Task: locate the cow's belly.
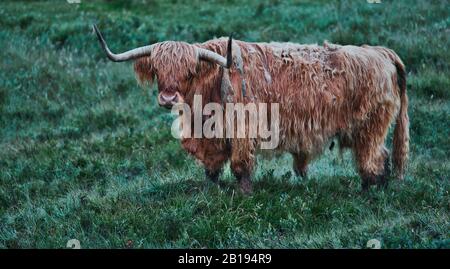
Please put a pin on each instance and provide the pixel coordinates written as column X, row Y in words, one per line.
column 304, row 135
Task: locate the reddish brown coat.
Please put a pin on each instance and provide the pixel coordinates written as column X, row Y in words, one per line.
column 331, row 91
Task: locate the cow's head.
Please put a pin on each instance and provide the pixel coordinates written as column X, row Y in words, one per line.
column 173, row 64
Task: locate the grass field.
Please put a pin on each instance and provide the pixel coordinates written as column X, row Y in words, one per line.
column 86, row 153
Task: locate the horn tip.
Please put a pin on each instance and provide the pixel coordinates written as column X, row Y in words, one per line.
column 95, row 28
column 229, row 51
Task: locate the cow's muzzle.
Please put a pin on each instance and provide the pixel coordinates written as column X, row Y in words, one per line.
column 168, row 100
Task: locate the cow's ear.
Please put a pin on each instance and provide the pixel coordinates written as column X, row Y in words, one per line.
column 144, row 70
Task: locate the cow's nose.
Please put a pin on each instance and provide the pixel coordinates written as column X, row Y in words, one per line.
column 168, row 100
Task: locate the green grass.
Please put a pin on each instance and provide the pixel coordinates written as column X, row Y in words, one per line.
column 87, row 154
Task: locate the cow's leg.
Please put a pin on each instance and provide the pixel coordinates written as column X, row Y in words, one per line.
column 243, row 175
column 242, row 165
column 371, row 155
column 211, row 153
column 214, row 165
column 384, row 179
column 300, row 164
column 212, row 175
column 372, row 166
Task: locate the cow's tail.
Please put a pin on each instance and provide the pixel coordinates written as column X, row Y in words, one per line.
column 401, row 130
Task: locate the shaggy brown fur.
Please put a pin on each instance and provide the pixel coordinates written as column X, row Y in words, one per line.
column 345, row 92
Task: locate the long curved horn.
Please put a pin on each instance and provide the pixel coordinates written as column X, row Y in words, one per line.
column 203, row 54
column 125, row 56
column 210, row 56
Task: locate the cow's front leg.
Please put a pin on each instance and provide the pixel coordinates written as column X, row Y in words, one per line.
column 212, row 153
column 214, row 165
column 214, row 162
column 242, row 162
column 300, row 164
column 212, row 175
column 242, row 172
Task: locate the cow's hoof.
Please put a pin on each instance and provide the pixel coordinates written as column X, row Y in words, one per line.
column 212, row 176
column 301, row 173
column 364, row 189
column 382, row 182
column 245, row 187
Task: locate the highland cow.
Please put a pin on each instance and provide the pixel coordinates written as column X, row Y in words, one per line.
column 348, row 93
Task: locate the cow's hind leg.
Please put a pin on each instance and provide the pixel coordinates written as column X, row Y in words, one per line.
column 300, row 164
column 384, row 178
column 373, row 166
column 371, row 155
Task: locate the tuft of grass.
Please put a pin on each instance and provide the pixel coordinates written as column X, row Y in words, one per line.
column 430, row 84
